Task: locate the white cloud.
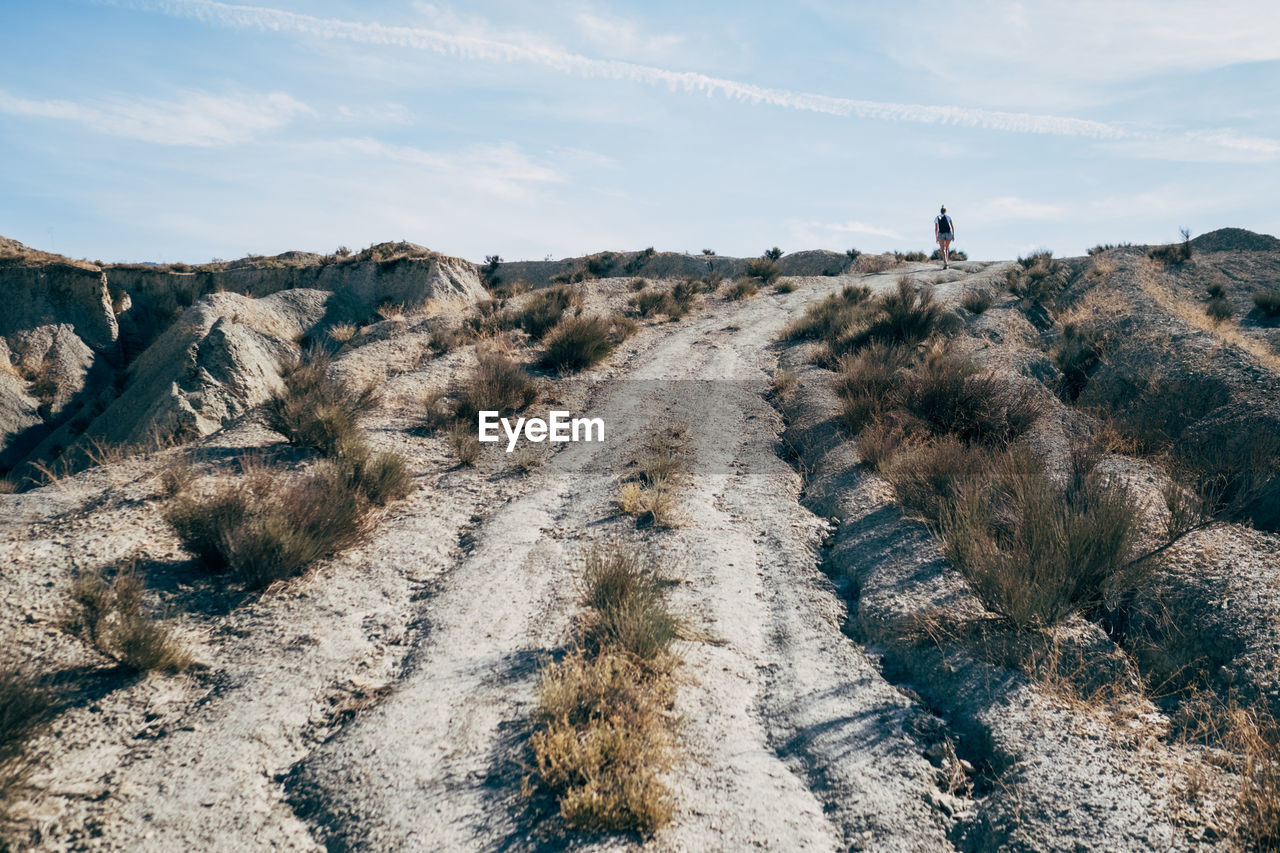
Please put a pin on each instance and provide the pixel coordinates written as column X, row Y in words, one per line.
column 1069, row 54
column 501, row 170
column 1223, row 145
column 833, row 234
column 485, row 49
column 623, row 37
column 1007, row 208
column 1095, row 40
column 194, row 118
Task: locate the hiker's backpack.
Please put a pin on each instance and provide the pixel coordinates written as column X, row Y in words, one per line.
column 944, row 224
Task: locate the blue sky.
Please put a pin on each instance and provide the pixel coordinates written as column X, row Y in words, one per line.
column 189, row 129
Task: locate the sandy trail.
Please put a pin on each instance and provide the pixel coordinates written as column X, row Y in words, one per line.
column 792, row 738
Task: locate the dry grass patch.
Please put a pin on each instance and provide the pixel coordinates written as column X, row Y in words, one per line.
column 109, row 616
column 978, row 300
column 605, row 731
column 465, row 443
column 1036, row 551
column 649, row 493
column 315, row 411
column 582, row 341
column 743, row 288
column 270, row 526
column 498, row 383
column 24, row 705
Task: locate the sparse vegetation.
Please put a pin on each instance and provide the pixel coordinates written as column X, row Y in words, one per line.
column 648, row 494
column 271, row 527
column 1268, row 302
column 582, row 341
column 785, row 285
column 109, row 616
column 604, row 734
column 497, row 383
column 674, row 303
column 1076, row 353
column 24, row 705
column 743, row 288
column 952, row 254
column 465, row 443
column 763, row 270
column 978, row 300
column 316, row 411
column 773, row 254
column 1218, row 310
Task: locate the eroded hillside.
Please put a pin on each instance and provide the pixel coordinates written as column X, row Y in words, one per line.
column 872, row 556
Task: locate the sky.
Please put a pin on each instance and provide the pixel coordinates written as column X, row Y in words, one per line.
column 167, row 130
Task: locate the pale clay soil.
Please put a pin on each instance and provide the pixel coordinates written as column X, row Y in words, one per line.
column 382, row 701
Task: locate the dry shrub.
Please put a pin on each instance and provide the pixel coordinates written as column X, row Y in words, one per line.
column 109, row 616
column 604, row 733
column 343, row 332
column 1218, row 310
column 866, row 382
column 265, row 534
column 786, row 285
column 602, row 742
column 907, row 316
column 825, row 320
column 765, row 270
column 1152, row 408
column 867, row 264
column 1076, row 353
column 1036, row 551
column 656, row 505
column 24, row 705
column 880, row 440
column 948, row 395
column 544, row 309
column 498, row 384
column 628, row 609
column 582, row 341
column 1268, row 302
column 465, row 443
column 784, row 381
column 743, row 288
column 443, row 340
column 978, row 300
column 380, row 477
column 316, row 411
column 927, row 477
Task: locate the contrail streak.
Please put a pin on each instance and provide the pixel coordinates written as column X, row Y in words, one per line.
column 494, row 51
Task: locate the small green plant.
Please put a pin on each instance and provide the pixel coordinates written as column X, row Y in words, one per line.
column 773, row 254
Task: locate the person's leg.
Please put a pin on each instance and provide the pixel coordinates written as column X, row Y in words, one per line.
column 946, row 254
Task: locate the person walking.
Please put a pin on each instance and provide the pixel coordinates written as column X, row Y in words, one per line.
column 944, row 231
